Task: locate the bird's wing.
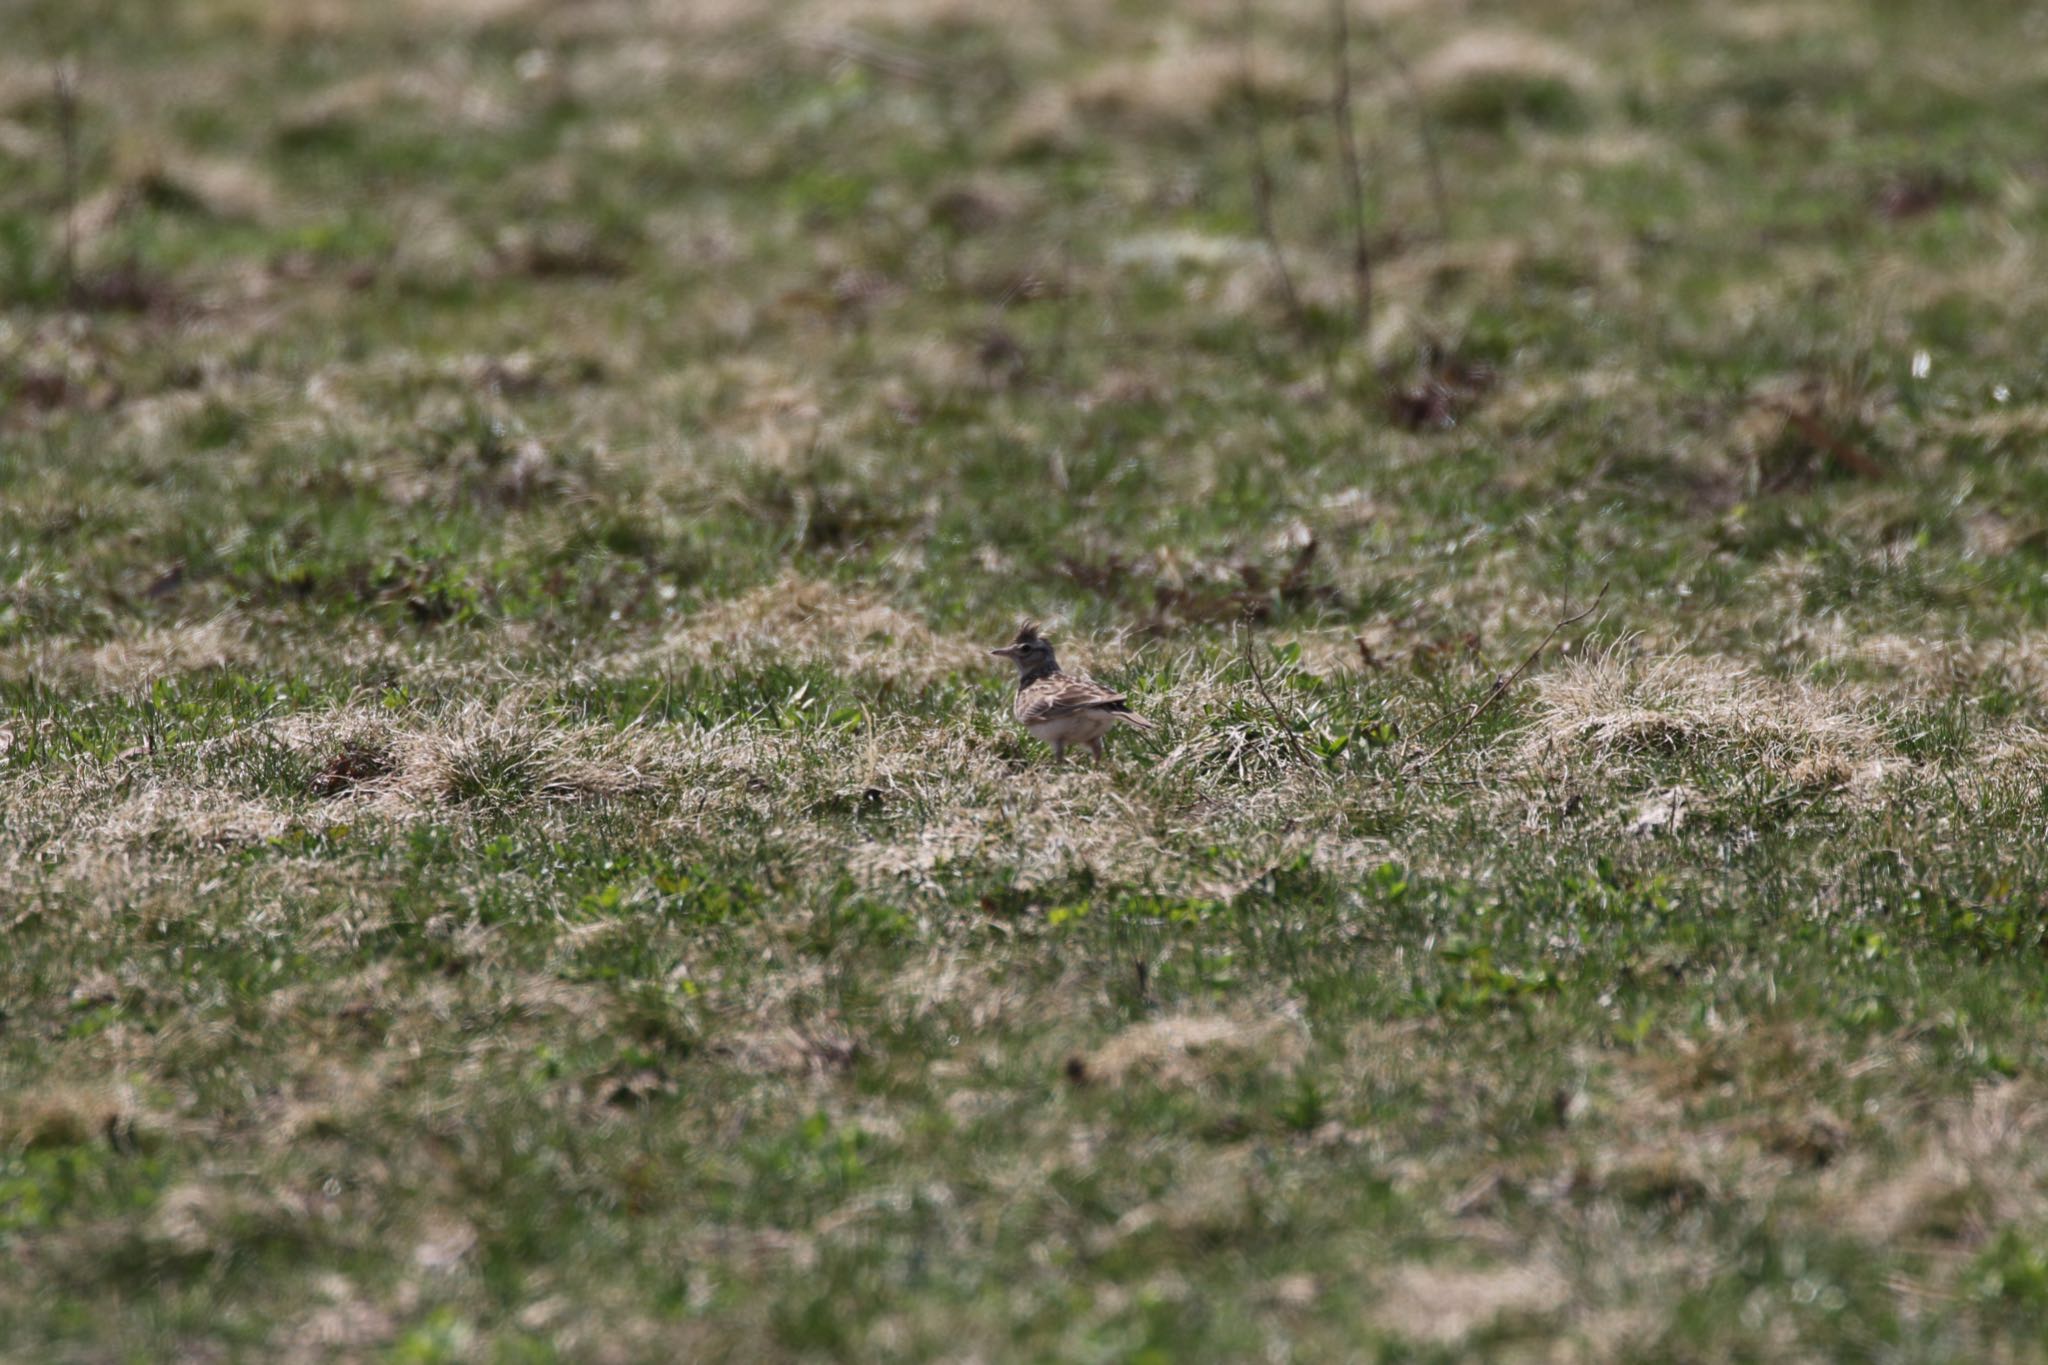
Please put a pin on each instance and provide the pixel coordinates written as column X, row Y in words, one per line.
column 1063, row 697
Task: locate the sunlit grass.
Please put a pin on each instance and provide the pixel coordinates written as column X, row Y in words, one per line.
column 513, row 846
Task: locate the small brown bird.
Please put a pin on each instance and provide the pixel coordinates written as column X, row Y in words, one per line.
column 1057, row 708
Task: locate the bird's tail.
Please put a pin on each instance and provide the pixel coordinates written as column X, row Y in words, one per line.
column 1135, row 721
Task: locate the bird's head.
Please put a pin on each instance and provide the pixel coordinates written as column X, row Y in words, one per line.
column 1030, row 651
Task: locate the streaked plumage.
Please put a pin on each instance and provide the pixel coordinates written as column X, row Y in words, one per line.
column 1057, row 707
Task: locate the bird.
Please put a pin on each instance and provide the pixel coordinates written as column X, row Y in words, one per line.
column 1057, row 707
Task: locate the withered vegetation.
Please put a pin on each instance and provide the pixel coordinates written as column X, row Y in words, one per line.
column 512, row 846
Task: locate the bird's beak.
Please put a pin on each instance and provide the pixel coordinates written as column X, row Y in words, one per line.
column 1006, row 652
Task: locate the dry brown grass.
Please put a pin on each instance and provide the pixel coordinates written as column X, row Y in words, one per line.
column 1443, row 1304
column 69, row 1115
column 1497, row 53
column 799, row 620
column 506, row 750
column 1612, row 712
column 760, row 1011
column 121, row 665
column 1191, row 1050
column 1978, row 1168
column 1186, row 84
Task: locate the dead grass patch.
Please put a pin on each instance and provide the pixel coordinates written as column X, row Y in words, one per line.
column 504, row 754
column 1490, row 77
column 1043, row 824
column 812, row 1050
column 1619, row 712
column 330, row 1100
column 1443, row 1304
column 592, row 981
column 950, row 978
column 1190, row 1050
column 344, row 1326
column 158, row 808
column 205, row 1219
column 124, row 664
column 1212, row 1197
column 1773, row 23
column 227, row 190
column 224, row 793
column 917, row 15
column 1917, row 665
column 1489, row 50
column 65, row 1115
column 1183, row 88
column 1185, row 85
column 1193, row 588
column 799, row 620
column 131, row 663
column 1979, row 1168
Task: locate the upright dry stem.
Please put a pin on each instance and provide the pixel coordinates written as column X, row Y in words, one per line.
column 65, row 83
column 1500, row 689
column 1425, row 132
column 1262, row 176
column 1354, row 172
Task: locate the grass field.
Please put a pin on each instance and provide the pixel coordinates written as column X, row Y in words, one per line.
column 512, row 847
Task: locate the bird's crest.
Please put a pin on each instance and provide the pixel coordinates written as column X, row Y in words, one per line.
column 1026, row 633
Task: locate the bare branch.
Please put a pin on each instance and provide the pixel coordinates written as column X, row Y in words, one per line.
column 1286, row 727
column 1425, row 131
column 1262, row 173
column 1063, row 314
column 890, row 59
column 1500, row 689
column 1354, row 173
column 64, row 82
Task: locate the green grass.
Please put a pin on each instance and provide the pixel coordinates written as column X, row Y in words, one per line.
column 512, row 848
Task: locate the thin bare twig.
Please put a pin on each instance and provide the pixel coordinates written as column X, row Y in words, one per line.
column 1294, row 739
column 864, row 49
column 1500, row 689
column 1354, row 173
column 1262, row 173
column 65, row 90
column 1063, row 314
column 1425, row 132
